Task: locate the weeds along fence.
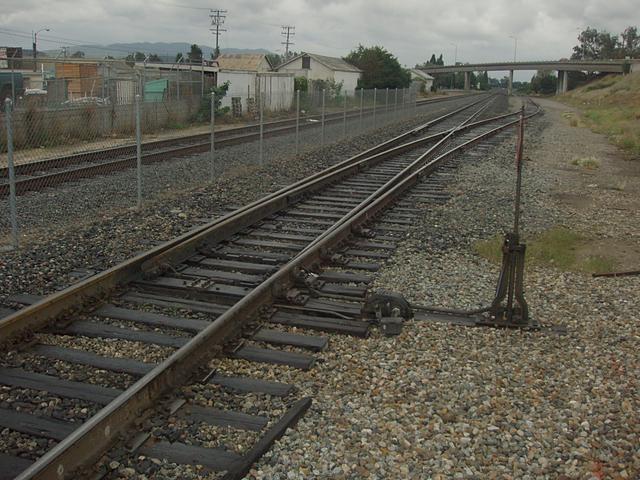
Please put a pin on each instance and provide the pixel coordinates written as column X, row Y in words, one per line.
column 48, row 127
column 71, row 165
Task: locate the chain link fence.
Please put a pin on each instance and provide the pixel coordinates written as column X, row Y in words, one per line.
column 73, row 163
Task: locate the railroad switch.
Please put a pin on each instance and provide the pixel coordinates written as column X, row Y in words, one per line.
column 391, row 326
column 387, row 309
column 509, row 307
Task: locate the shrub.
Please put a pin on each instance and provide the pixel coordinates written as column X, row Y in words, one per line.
column 301, row 84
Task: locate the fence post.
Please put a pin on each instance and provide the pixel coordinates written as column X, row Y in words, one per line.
column 361, row 104
column 202, row 78
column 375, row 105
column 261, row 106
column 344, row 116
column 178, row 83
column 13, row 210
column 395, row 107
column 386, row 104
column 322, row 128
column 213, row 135
column 297, row 121
column 138, row 153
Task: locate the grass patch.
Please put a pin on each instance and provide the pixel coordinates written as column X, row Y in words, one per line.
column 590, row 163
column 606, row 82
column 491, row 248
column 573, row 121
column 598, row 263
column 173, row 125
column 611, row 106
column 557, row 247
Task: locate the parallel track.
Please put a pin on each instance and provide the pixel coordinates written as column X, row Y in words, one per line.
column 38, row 175
column 339, row 224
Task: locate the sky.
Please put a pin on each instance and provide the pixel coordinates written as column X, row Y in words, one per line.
column 410, row 29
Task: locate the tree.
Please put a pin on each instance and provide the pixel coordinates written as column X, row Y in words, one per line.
column 330, row 86
column 594, row 45
column 483, row 80
column 179, row 56
column 274, row 59
column 380, row 69
column 630, row 42
column 135, row 57
column 195, row 54
column 609, row 46
column 78, row 54
column 440, row 60
column 204, row 112
column 544, row 82
column 432, row 61
column 155, row 58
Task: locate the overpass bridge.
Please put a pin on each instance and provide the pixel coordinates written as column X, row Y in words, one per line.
column 561, row 66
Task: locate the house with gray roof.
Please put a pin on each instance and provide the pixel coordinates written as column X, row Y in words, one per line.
column 320, row 67
column 419, row 78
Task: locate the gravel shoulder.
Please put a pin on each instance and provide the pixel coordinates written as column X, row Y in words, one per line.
column 441, row 401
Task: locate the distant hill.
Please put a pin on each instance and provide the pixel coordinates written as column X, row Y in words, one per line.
column 167, row 51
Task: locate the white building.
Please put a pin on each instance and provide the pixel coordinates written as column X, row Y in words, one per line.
column 319, row 67
column 418, row 77
column 249, row 75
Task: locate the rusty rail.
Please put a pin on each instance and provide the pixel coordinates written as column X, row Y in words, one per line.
column 90, row 439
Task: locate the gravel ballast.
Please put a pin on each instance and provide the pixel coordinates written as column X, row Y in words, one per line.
column 442, row 401
column 78, row 226
column 437, row 401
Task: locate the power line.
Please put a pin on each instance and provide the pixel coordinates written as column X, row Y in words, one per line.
column 217, row 21
column 287, row 32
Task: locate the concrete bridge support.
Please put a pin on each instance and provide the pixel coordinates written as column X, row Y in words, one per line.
column 563, row 82
column 510, row 84
column 467, row 81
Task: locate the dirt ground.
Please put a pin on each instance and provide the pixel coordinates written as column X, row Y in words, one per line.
column 604, row 197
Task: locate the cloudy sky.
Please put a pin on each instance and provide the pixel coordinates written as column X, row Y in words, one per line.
column 411, row 29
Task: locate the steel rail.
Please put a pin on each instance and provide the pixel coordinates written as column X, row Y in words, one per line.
column 312, row 184
column 383, row 188
column 226, row 137
column 90, row 439
column 81, row 170
column 172, row 251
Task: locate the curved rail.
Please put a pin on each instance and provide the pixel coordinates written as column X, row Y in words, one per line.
column 98, row 432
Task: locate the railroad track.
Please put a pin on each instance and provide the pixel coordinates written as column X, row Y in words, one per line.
column 41, row 174
column 299, row 258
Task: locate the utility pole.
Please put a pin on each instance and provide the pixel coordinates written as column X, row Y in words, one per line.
column 515, row 46
column 217, row 21
column 455, row 62
column 35, row 45
column 287, row 32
